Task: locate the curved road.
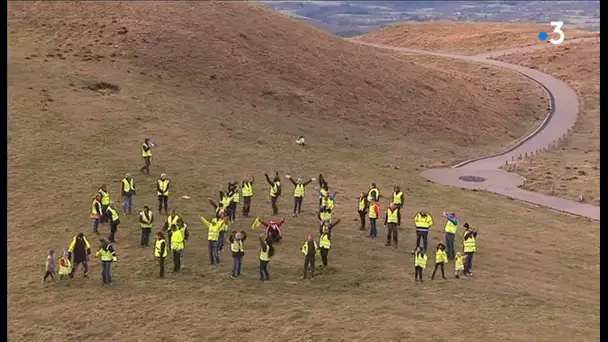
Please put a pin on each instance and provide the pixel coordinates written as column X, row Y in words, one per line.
column 559, row 121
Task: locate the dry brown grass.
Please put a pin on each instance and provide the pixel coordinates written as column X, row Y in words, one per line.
column 468, row 38
column 572, row 167
column 64, row 140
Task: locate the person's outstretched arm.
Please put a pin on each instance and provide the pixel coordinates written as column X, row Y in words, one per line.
column 213, row 204
column 268, row 179
column 307, row 182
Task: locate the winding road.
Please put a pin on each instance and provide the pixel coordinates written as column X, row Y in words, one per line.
column 484, row 173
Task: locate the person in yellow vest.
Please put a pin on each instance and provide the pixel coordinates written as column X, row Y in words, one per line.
column 161, row 252
column 362, row 209
column 423, row 222
column 105, row 201
column 392, row 221
column 127, row 192
column 329, row 200
column 65, row 265
column 323, row 188
column 373, row 193
column 213, row 233
column 266, row 252
column 162, row 190
column 298, row 193
column 458, row 265
column 112, row 213
column 218, row 207
column 79, row 253
column 310, row 249
column 274, row 191
column 325, row 214
column 96, row 213
column 470, row 247
column 373, row 214
column 236, row 246
column 324, row 244
column 169, row 222
column 146, row 218
column 451, row 228
column 247, row 186
column 234, row 195
column 177, row 247
column 441, row 258
column 420, row 259
column 398, row 197
column 146, row 153
column 107, row 254
column 183, row 228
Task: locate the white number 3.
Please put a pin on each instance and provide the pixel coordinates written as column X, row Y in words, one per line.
column 558, row 29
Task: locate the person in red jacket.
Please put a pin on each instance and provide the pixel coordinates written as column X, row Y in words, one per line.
column 273, row 229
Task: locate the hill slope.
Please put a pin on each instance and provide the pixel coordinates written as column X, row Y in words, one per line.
column 66, row 137
column 465, row 37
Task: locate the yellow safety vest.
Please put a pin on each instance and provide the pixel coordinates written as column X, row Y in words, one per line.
column 423, row 222
column 372, row 211
column 264, row 255
column 114, row 213
column 65, row 270
column 441, row 257
column 171, row 221
column 392, row 215
column 299, row 191
column 157, row 246
column 237, row 246
column 94, row 211
column 469, row 245
column 325, row 215
column 459, row 263
column 145, row 153
column 450, row 227
column 177, row 240
column 147, row 219
column 373, row 193
column 247, row 190
column 274, row 189
column 324, row 192
column 236, row 197
column 324, row 241
column 226, row 201
column 398, row 197
column 105, row 197
column 421, row 260
column 214, row 231
column 222, row 224
column 164, row 187
column 127, row 185
column 105, row 255
column 328, row 202
column 305, row 247
column 362, row 204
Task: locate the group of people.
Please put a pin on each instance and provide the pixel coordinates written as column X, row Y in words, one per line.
column 172, row 238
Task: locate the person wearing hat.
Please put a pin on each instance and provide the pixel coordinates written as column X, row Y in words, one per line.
column 114, row 217
column 105, row 202
column 310, row 249
column 107, row 254
column 363, row 207
column 274, row 191
column 162, row 190
column 160, row 252
column 451, row 228
column 273, row 229
column 423, row 222
column 65, row 265
column 79, row 251
column 96, row 213
column 146, row 153
column 298, row 193
column 392, row 221
column 236, row 246
column 127, row 192
column 146, row 219
column 469, row 241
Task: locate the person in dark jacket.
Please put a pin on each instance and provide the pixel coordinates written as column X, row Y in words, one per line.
column 310, row 249
column 275, row 191
column 363, row 207
column 247, row 187
column 236, row 246
column 298, row 194
column 79, row 253
column 160, row 252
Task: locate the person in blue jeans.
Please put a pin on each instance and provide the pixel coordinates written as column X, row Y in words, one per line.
column 373, row 214
column 236, row 246
column 128, row 192
column 266, row 252
column 451, row 228
column 107, row 255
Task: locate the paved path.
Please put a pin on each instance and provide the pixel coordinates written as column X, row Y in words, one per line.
column 559, row 121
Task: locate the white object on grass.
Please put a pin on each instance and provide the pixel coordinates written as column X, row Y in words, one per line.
column 186, row 197
column 300, row 140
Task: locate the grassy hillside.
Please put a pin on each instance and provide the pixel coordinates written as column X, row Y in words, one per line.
column 572, row 168
column 465, row 37
column 224, row 90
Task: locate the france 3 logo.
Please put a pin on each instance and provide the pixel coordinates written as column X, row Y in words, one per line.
column 557, row 28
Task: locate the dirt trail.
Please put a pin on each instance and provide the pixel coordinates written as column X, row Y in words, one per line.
column 483, row 173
